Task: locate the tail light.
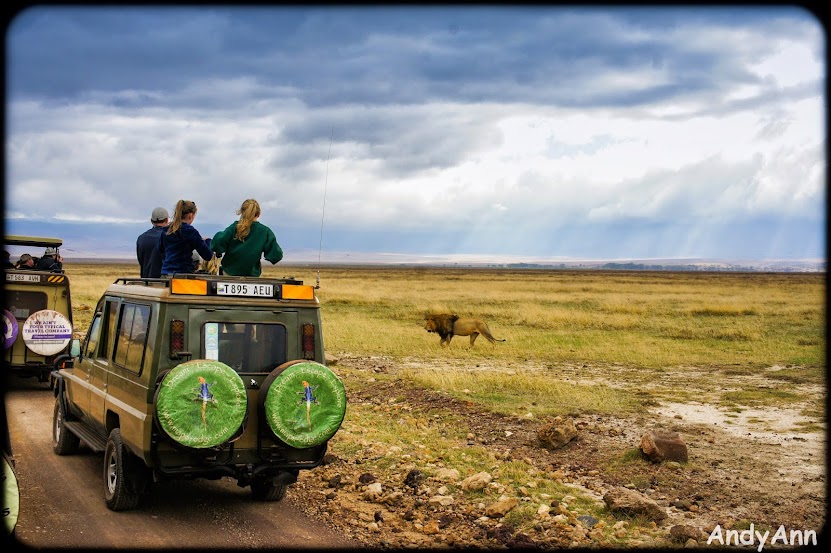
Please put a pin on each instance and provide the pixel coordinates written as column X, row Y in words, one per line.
column 177, row 338
column 308, row 333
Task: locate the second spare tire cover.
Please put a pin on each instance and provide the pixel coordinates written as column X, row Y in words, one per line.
column 9, row 329
column 305, row 403
column 201, row 403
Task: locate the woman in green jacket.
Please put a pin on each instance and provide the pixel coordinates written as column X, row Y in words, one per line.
column 245, row 242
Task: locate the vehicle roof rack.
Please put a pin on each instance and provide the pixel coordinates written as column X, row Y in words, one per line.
column 165, row 281
column 21, row 240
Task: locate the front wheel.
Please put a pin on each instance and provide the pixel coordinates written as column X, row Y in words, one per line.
column 64, row 442
column 267, row 489
column 120, row 475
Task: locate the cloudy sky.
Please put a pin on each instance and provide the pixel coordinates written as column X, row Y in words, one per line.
column 486, row 133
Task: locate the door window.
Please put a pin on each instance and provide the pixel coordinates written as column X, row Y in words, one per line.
column 92, row 337
column 132, row 335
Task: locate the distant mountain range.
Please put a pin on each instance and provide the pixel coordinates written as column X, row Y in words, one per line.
column 83, row 245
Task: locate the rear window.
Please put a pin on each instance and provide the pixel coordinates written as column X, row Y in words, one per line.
column 22, row 304
column 245, row 347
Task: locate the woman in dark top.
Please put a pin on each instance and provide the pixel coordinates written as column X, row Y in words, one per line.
column 181, row 239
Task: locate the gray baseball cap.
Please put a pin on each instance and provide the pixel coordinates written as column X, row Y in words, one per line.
column 159, row 215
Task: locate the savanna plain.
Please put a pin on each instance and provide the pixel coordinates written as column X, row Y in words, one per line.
column 732, row 362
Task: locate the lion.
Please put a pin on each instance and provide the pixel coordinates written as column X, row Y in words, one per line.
column 447, row 325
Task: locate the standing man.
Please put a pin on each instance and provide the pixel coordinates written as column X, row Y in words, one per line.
column 147, row 245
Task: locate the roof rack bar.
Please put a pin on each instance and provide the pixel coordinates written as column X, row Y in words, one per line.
column 144, row 281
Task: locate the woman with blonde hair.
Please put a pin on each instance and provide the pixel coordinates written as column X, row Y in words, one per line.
column 181, row 239
column 245, row 242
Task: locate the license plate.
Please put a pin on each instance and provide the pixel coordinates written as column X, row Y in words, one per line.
column 17, row 277
column 245, row 289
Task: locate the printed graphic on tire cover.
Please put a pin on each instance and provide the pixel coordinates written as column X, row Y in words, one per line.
column 305, row 403
column 47, row 332
column 11, row 496
column 201, row 403
column 9, row 329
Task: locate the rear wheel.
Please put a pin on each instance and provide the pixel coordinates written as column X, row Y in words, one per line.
column 267, row 489
column 64, row 442
column 120, row 475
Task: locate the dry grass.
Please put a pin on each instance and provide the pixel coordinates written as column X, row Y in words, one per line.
column 640, row 323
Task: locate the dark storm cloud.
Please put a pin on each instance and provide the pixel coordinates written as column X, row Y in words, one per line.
column 390, row 56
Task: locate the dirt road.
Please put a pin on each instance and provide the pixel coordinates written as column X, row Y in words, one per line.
column 62, row 499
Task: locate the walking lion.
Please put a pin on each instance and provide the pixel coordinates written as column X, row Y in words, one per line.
column 447, row 325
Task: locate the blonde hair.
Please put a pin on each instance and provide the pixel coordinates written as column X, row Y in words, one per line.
column 248, row 213
column 183, row 207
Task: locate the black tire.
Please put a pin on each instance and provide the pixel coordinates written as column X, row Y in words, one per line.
column 267, row 489
column 64, row 442
column 120, row 475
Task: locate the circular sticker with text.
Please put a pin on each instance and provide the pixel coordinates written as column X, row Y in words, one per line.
column 47, row 332
column 9, row 329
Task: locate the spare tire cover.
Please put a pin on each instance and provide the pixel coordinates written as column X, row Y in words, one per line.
column 201, row 403
column 9, row 329
column 305, row 403
column 47, row 332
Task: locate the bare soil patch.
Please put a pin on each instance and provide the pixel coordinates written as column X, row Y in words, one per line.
column 749, row 467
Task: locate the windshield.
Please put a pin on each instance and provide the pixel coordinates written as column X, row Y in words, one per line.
column 245, row 347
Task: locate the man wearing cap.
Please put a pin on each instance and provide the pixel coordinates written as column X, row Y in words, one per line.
column 51, row 261
column 147, row 245
column 26, row 261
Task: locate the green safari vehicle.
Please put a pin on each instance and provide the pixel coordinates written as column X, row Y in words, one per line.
column 37, row 314
column 200, row 376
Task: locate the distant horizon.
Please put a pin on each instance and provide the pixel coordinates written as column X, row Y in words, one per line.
column 345, row 258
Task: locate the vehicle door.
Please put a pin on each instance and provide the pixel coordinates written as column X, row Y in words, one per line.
column 126, row 386
column 80, row 374
column 100, row 364
column 20, row 302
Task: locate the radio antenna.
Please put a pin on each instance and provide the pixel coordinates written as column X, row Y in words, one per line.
column 323, row 214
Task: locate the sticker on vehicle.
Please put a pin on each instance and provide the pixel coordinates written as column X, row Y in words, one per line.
column 47, row 332
column 201, row 403
column 305, row 403
column 9, row 329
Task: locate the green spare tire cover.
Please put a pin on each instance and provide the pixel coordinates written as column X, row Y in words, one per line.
column 201, row 403
column 304, row 404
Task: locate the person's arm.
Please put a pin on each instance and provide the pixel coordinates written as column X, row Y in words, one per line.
column 200, row 244
column 272, row 250
column 221, row 239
